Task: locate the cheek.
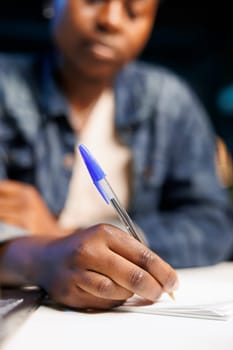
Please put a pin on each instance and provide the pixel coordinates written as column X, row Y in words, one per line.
column 67, row 33
column 73, row 21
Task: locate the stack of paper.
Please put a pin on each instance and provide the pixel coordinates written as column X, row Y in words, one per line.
column 218, row 311
column 202, row 294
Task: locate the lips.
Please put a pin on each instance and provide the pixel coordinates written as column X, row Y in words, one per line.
column 101, row 51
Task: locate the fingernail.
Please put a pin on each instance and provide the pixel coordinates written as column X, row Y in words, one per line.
column 173, row 286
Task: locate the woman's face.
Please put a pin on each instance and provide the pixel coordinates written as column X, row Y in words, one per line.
column 97, row 37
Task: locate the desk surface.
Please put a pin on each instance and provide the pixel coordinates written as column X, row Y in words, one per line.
column 61, row 330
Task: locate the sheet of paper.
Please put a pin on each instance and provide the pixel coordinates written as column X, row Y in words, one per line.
column 203, row 293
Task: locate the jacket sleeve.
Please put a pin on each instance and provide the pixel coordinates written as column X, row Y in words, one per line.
column 192, row 224
column 8, row 232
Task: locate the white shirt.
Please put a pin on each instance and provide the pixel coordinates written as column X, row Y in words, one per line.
column 84, row 206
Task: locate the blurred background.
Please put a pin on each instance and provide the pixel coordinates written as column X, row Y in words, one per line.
column 194, row 38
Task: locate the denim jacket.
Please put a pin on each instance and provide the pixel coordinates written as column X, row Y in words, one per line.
column 176, row 200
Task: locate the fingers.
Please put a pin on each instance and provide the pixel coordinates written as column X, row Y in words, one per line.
column 9, row 199
column 21, row 205
column 141, row 256
column 101, row 286
column 72, row 295
column 13, row 197
column 9, row 187
column 13, row 190
column 130, row 276
column 105, row 266
column 125, row 261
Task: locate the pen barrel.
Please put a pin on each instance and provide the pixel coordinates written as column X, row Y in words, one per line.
column 126, row 220
column 122, row 213
column 99, row 179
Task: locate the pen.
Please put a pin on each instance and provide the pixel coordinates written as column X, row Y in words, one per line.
column 99, row 179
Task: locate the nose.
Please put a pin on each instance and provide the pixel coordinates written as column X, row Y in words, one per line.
column 111, row 15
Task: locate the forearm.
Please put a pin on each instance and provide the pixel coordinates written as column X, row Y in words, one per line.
column 21, row 261
column 197, row 237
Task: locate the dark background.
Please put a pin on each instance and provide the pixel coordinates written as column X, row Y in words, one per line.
column 193, row 38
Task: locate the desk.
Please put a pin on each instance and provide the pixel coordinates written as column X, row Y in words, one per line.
column 66, row 330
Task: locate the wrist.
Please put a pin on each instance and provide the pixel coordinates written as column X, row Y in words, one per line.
column 22, row 260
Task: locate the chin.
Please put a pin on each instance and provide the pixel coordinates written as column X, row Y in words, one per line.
column 97, row 71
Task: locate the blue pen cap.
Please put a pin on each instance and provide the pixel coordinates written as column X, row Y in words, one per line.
column 95, row 171
column 93, row 167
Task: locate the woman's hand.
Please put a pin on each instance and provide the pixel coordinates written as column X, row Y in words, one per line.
column 21, row 205
column 99, row 267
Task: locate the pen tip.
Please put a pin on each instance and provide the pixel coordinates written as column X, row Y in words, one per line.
column 172, row 295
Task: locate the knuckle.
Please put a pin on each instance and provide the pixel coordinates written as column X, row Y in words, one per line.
column 136, row 278
column 101, row 227
column 80, row 249
column 104, row 287
column 107, row 229
column 100, row 230
column 147, row 259
column 76, row 254
column 79, row 253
